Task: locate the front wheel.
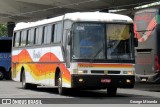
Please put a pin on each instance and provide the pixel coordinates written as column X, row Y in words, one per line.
column 111, row 91
column 61, row 90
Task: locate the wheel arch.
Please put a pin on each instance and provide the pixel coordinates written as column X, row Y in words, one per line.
column 22, row 70
column 58, row 70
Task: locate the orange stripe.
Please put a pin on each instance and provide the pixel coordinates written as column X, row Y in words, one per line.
column 105, row 65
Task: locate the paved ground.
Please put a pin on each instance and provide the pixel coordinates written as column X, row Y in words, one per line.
column 11, row 89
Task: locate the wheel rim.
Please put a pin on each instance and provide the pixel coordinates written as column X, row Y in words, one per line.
column 59, row 85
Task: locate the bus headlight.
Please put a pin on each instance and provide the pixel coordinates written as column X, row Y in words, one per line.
column 82, row 71
column 128, row 72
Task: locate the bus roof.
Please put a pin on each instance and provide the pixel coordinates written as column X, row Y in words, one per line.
column 5, row 38
column 148, row 10
column 78, row 17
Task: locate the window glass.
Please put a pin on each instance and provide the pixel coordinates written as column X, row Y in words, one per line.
column 20, row 38
column 14, row 39
column 48, row 34
column 39, row 34
column 17, row 37
column 29, row 37
column 23, row 38
column 58, row 33
column 45, row 34
column 35, row 32
column 53, row 33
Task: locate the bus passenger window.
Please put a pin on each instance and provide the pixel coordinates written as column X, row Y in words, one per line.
column 45, row 30
column 53, row 33
column 36, row 36
column 17, row 39
column 58, row 33
column 28, row 37
column 14, row 38
column 39, row 36
column 23, row 38
column 48, row 34
column 20, row 38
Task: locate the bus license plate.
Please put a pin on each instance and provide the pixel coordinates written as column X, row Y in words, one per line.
column 105, row 80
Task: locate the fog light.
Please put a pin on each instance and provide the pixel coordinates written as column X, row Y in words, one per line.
column 80, row 80
column 128, row 81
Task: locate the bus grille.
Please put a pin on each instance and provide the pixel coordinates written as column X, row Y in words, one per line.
column 97, row 71
column 103, row 72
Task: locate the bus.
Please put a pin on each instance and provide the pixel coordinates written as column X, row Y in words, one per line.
column 48, row 52
column 5, row 57
column 147, row 30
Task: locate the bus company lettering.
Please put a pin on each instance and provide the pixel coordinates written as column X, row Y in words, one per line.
column 85, row 65
column 36, row 54
column 5, row 56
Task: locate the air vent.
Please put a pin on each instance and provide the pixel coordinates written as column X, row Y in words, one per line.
column 97, row 71
column 114, row 72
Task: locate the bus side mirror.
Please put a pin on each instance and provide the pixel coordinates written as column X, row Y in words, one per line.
column 135, row 42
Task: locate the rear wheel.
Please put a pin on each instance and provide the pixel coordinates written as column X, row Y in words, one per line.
column 61, row 90
column 111, row 91
column 26, row 85
column 1, row 75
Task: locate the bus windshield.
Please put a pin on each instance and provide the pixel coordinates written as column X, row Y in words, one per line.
column 102, row 41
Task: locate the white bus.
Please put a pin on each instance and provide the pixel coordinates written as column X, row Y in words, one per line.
column 88, row 50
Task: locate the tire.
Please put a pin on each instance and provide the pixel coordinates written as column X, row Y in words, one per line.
column 111, row 91
column 9, row 75
column 1, row 75
column 24, row 84
column 27, row 85
column 61, row 90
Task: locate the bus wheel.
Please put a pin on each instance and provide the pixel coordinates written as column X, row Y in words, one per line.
column 9, row 75
column 111, row 91
column 61, row 90
column 24, row 84
column 1, row 75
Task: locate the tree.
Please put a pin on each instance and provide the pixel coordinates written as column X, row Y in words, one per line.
column 3, row 30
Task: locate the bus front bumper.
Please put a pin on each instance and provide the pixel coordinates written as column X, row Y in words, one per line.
column 102, row 81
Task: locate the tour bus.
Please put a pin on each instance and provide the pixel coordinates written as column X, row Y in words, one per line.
column 147, row 30
column 5, row 57
column 88, row 50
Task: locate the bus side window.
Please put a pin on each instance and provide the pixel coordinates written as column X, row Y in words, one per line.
column 53, row 34
column 31, row 36
column 28, row 37
column 49, row 34
column 23, row 38
column 36, row 36
column 20, row 36
column 44, row 30
column 39, row 36
column 17, row 39
column 58, row 33
column 14, row 39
